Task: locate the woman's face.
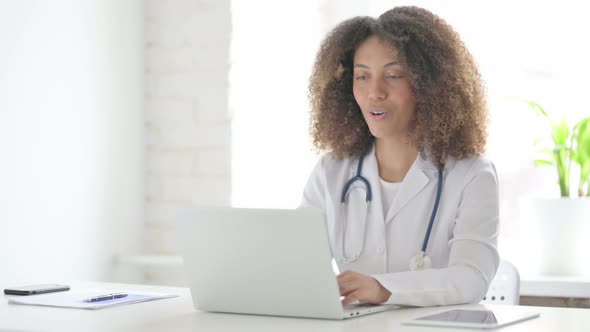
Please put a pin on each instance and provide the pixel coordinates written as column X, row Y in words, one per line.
column 381, row 87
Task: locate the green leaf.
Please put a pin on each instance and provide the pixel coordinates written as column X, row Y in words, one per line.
column 560, row 133
column 548, row 153
column 582, row 137
column 582, row 148
column 542, row 162
column 537, row 108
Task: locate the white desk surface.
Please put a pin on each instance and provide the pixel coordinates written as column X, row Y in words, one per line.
column 178, row 314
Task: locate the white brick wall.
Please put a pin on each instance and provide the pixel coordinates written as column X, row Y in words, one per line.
column 188, row 127
column 71, row 139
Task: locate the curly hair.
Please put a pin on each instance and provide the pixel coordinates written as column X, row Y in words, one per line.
column 451, row 113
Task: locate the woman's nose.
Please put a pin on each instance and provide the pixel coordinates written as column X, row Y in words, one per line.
column 377, row 91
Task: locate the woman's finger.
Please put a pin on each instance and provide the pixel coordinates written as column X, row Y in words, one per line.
column 347, row 288
column 345, row 275
column 350, row 298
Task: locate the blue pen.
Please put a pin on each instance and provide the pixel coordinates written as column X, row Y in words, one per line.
column 106, row 297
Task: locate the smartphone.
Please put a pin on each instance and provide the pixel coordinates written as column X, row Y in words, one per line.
column 36, row 289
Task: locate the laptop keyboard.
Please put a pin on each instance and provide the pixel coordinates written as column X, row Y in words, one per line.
column 359, row 305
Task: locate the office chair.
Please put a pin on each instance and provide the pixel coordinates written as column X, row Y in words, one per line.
column 505, row 287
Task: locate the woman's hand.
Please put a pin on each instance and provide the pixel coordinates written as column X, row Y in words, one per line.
column 359, row 287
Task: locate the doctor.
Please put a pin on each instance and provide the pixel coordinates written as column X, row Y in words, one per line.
column 411, row 205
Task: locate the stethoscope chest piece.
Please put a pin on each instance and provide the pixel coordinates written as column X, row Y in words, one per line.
column 420, row 261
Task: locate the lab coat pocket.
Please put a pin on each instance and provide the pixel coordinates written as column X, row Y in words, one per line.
column 354, row 223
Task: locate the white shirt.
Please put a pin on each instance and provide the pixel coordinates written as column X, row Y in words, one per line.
column 388, row 192
column 462, row 244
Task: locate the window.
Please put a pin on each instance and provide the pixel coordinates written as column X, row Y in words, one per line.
column 525, row 49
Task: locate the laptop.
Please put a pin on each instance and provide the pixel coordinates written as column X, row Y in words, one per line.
column 262, row 262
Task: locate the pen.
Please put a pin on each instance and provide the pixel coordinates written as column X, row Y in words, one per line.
column 106, row 297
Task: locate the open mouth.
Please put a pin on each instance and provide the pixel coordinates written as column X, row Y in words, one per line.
column 377, row 115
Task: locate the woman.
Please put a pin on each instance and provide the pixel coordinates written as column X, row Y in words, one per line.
column 399, row 101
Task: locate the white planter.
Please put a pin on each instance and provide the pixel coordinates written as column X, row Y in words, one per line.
column 562, row 227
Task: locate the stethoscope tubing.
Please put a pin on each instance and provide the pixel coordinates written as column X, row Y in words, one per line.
column 357, row 177
column 369, row 197
column 434, row 211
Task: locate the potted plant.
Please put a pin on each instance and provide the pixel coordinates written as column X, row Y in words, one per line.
column 563, row 224
column 569, row 145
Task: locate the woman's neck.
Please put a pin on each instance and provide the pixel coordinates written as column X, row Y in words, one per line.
column 394, row 158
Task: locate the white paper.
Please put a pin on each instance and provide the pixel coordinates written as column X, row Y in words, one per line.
column 75, row 299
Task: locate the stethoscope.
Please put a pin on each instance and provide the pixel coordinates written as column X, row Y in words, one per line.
column 418, row 262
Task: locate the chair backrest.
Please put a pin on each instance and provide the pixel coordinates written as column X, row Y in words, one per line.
column 505, row 287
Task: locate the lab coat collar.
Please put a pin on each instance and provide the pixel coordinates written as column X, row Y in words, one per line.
column 416, row 179
column 419, row 175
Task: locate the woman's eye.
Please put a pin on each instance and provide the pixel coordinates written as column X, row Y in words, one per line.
column 394, row 76
column 360, row 77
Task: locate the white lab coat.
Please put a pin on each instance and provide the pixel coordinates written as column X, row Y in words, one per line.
column 462, row 244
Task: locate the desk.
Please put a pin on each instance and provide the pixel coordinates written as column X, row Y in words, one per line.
column 574, row 287
column 178, row 314
column 555, row 291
